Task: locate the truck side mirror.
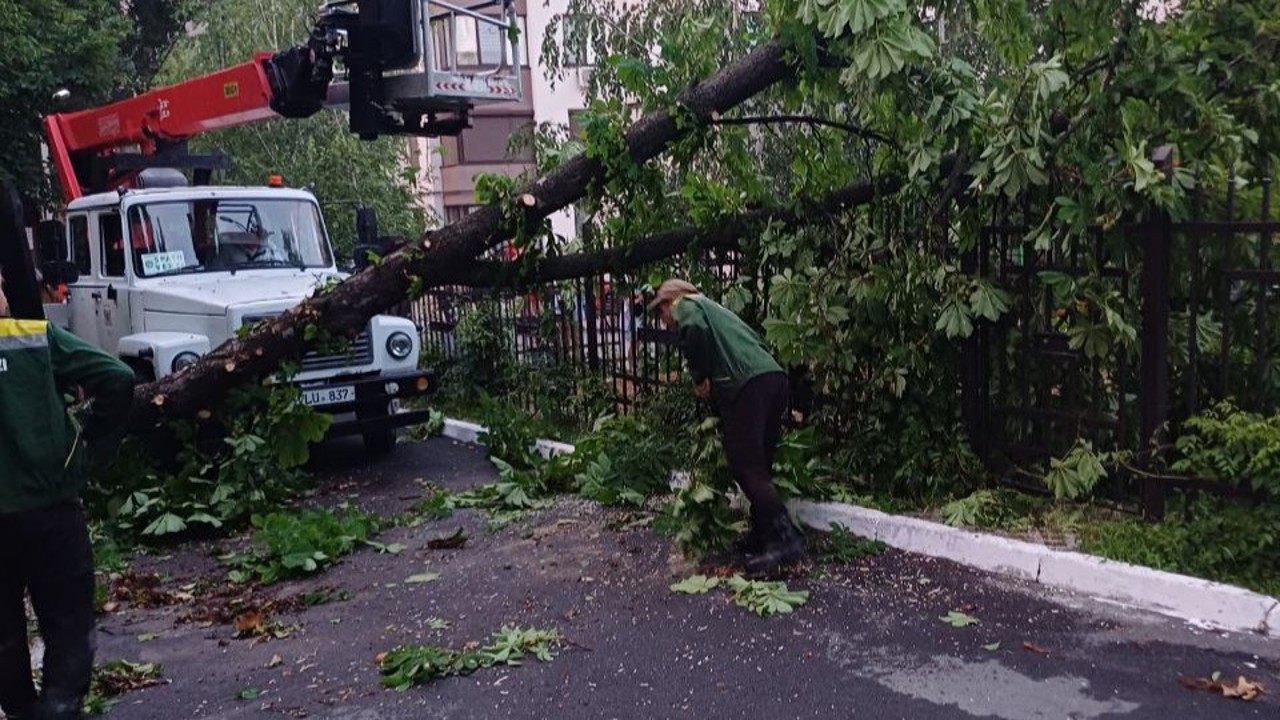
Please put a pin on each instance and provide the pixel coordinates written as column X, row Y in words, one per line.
column 366, row 225
column 51, row 240
column 360, row 256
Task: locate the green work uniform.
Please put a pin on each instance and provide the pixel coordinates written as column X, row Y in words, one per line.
column 719, row 346
column 44, row 451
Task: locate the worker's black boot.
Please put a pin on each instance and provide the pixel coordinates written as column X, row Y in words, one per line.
column 784, row 544
column 745, row 545
column 27, row 712
column 751, row 542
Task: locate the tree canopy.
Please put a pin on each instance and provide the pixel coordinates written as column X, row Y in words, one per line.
column 97, row 50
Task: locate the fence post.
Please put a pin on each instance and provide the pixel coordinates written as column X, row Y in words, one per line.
column 974, row 375
column 1157, row 242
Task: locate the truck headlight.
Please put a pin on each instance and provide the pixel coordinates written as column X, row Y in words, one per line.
column 183, row 360
column 399, row 345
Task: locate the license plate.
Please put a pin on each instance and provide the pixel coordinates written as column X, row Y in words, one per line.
column 329, row 395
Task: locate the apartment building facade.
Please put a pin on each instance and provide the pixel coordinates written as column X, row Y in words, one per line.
column 448, row 167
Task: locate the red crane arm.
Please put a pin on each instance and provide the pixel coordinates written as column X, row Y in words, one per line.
column 224, row 99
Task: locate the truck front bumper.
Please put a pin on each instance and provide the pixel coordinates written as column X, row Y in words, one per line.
column 370, row 399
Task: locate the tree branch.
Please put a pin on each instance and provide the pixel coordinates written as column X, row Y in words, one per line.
column 725, row 234
column 444, row 255
column 850, row 128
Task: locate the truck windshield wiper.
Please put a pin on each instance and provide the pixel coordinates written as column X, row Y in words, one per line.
column 268, row 264
column 180, row 271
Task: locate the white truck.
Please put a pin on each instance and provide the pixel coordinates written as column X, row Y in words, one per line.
column 161, row 276
column 161, row 269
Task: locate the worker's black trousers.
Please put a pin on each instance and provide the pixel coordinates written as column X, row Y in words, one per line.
column 47, row 553
column 752, row 424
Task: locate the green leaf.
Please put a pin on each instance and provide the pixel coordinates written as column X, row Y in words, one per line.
column 423, row 577
column 992, row 647
column 954, row 322
column 766, row 598
column 988, row 302
column 166, row 524
column 249, row 694
column 696, row 585
column 958, row 619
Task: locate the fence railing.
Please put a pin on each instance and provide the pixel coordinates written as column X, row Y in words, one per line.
column 595, row 328
column 1197, row 295
column 1160, row 317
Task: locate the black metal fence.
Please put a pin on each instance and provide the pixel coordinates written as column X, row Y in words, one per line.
column 1115, row 335
column 1163, row 317
column 596, row 329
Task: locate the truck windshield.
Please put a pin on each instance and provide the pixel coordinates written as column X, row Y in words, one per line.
column 170, row 238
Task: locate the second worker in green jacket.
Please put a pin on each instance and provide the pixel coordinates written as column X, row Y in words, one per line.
column 732, row 368
column 44, row 539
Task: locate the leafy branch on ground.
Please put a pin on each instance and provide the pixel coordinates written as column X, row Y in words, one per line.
column 761, row 597
column 405, row 667
column 957, row 619
column 255, row 467
column 291, row 545
column 111, row 680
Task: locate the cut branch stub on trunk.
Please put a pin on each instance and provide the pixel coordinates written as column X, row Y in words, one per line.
column 443, row 256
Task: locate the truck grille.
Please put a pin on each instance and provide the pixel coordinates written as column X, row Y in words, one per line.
column 360, row 353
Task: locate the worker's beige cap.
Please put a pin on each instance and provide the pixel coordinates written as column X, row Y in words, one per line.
column 670, row 290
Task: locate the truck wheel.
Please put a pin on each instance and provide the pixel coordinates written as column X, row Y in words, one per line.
column 379, row 443
column 142, row 370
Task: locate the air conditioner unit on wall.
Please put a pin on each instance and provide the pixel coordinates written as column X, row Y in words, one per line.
column 584, row 73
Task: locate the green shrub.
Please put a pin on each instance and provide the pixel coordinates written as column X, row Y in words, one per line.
column 1236, row 447
column 1218, row 541
column 484, row 353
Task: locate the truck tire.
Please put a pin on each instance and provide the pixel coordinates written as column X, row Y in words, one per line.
column 143, row 372
column 381, row 442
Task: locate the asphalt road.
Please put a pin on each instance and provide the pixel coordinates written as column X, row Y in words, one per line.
column 869, row 644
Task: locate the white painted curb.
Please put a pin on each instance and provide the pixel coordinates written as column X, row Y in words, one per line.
column 1191, row 599
column 469, row 432
column 462, row 431
column 1203, row 602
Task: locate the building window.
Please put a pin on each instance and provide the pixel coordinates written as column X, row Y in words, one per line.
column 488, row 140
column 577, row 38
column 474, row 43
column 454, row 213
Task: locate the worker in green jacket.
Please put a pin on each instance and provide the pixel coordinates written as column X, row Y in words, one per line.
column 44, row 539
column 733, row 369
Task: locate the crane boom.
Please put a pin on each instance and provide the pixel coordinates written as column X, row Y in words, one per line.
column 400, row 76
column 169, row 115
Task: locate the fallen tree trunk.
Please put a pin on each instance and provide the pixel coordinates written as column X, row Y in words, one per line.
column 443, row 256
column 725, row 234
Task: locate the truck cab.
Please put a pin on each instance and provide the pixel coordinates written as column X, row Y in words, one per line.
column 165, row 275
